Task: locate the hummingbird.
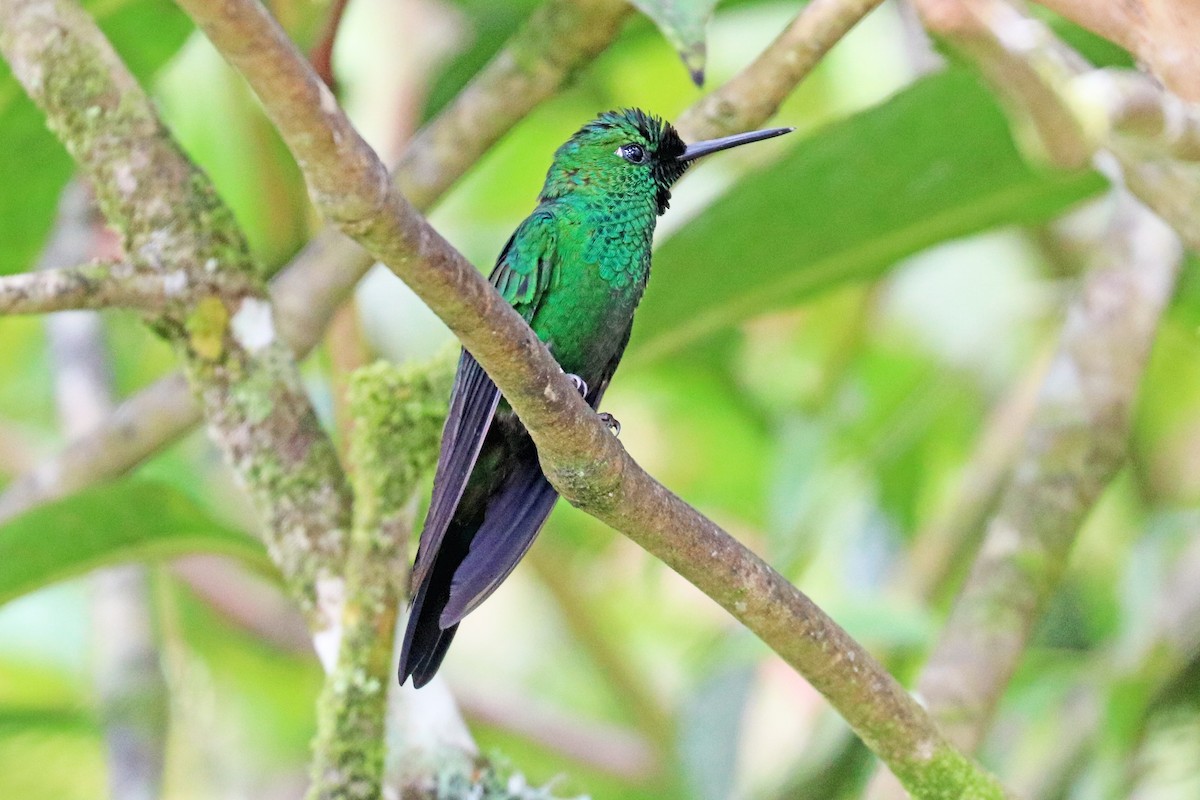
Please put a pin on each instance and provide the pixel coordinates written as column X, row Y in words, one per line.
column 575, row 269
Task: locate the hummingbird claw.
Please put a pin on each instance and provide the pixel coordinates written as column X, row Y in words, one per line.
column 612, row 422
column 580, row 384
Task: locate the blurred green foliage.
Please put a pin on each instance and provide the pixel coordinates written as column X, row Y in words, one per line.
column 830, row 320
column 128, row 521
column 33, row 165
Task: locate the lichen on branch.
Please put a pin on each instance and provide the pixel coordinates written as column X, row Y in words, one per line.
column 398, row 414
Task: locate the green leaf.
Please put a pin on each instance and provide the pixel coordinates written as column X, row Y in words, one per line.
column 33, row 165
column 935, row 162
column 35, row 168
column 684, row 23
column 129, row 521
column 490, row 26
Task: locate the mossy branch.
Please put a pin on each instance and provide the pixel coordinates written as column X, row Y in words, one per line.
column 90, row 286
column 398, row 415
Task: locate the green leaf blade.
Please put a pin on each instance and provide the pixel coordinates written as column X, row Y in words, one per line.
column 129, row 521
column 33, row 165
column 684, row 23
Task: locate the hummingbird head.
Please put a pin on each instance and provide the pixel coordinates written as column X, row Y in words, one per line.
column 631, row 154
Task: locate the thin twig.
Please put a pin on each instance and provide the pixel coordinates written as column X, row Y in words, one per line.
column 582, row 459
column 755, row 93
column 92, row 286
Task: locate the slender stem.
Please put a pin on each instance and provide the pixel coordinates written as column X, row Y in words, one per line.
column 581, row 458
column 755, row 93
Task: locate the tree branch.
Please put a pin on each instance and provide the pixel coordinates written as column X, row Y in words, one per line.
column 171, row 218
column 1076, row 444
column 582, row 459
column 755, row 94
column 559, row 38
column 398, row 416
column 92, row 286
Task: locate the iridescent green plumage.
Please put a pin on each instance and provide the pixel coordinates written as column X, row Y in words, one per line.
column 575, row 269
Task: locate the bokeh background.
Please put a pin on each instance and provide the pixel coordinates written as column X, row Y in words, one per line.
column 838, row 323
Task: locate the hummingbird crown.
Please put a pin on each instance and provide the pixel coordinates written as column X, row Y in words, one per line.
column 626, row 152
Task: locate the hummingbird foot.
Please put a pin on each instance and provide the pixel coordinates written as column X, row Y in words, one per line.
column 612, row 422
column 580, row 384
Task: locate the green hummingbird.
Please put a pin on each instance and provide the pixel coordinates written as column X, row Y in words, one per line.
column 575, row 269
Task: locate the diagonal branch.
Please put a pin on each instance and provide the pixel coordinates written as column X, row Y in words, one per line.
column 582, row 459
column 1075, row 446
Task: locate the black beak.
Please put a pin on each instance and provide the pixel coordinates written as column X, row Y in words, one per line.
column 698, row 149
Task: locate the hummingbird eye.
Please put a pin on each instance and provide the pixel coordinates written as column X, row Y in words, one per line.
column 633, row 153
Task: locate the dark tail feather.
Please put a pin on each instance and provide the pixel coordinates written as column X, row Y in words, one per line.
column 511, row 522
column 425, row 640
column 475, row 555
column 425, row 646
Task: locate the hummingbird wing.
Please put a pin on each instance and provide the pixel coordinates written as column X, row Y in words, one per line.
column 473, row 401
column 523, row 273
column 514, row 515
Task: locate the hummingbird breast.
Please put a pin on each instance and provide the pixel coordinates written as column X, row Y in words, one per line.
column 602, row 265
